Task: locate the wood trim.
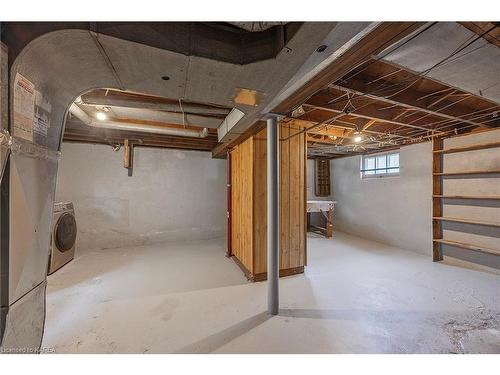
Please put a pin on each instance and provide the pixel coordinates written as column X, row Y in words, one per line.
column 245, row 270
column 263, row 275
column 283, row 273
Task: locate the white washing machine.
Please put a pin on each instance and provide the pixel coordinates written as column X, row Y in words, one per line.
column 62, row 249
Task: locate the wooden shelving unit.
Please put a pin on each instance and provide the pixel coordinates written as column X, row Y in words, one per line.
column 483, row 197
column 467, row 173
column 467, row 246
column 467, row 221
column 453, row 150
column 438, row 197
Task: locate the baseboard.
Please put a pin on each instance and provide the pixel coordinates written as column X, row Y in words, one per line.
column 263, row 275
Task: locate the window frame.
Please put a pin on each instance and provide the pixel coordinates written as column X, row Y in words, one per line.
column 376, row 174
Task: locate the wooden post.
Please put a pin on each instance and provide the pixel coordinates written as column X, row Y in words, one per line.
column 437, row 202
column 329, row 223
column 128, row 156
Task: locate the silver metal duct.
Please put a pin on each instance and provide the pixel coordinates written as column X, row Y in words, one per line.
column 231, row 120
column 89, row 121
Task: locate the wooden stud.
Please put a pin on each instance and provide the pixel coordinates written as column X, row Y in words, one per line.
column 128, row 156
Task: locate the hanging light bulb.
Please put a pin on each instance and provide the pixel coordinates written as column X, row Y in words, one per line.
column 357, row 137
column 101, row 116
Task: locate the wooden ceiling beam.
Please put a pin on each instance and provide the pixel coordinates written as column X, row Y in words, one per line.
column 480, row 28
column 76, row 132
column 449, row 110
column 403, row 90
column 382, row 36
column 323, row 112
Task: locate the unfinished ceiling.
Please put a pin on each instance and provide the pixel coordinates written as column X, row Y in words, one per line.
column 441, row 80
column 110, row 116
column 409, row 83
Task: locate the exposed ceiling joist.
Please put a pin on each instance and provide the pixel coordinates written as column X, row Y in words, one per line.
column 377, row 39
column 382, row 36
column 409, row 101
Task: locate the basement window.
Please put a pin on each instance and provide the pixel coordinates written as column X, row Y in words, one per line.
column 380, row 165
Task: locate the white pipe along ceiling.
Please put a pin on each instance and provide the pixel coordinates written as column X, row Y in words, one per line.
column 111, row 124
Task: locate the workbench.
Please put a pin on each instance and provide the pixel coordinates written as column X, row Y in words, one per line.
column 326, row 209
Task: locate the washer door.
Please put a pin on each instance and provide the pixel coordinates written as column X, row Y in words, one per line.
column 65, row 232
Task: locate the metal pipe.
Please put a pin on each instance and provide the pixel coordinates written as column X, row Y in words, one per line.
column 273, row 245
column 155, row 129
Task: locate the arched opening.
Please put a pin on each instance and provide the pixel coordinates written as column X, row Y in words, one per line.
column 67, row 64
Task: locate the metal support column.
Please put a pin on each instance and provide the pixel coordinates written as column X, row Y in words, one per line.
column 272, row 216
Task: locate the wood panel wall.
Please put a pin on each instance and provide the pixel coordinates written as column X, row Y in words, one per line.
column 260, row 202
column 293, row 197
column 292, row 202
column 241, row 202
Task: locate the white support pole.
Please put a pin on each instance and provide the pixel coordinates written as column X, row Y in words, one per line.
column 272, row 216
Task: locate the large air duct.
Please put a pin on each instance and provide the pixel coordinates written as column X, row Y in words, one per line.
column 79, row 113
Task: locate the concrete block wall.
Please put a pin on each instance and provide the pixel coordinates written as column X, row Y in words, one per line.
column 172, row 196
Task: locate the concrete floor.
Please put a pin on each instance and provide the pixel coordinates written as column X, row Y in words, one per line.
column 357, row 296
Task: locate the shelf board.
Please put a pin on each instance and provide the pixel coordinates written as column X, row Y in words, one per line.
column 467, row 221
column 468, row 148
column 463, row 173
column 467, row 246
column 484, row 197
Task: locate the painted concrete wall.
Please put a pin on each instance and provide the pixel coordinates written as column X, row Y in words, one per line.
column 392, row 210
column 173, row 195
column 398, row 210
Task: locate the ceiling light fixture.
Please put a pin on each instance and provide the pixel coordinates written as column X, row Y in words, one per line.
column 357, row 137
column 101, row 116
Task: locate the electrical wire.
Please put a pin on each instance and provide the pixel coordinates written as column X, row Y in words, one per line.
column 411, row 80
column 460, row 48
